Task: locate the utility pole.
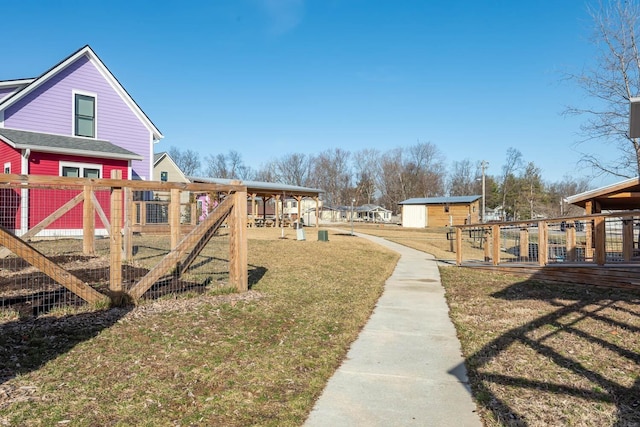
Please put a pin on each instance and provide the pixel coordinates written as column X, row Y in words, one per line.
column 484, row 166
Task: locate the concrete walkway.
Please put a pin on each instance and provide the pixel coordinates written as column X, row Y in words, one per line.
column 406, row 367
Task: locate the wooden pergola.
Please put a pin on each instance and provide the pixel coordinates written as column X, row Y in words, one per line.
column 621, row 196
column 267, row 191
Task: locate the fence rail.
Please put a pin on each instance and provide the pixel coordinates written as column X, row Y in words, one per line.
column 89, row 240
column 598, row 239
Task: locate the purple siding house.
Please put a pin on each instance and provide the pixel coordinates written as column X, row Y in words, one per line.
column 78, row 118
column 74, row 120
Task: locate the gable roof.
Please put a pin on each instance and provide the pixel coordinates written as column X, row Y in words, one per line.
column 15, row 83
column 50, row 143
column 33, row 84
column 440, row 200
column 371, row 208
column 623, row 195
column 157, row 158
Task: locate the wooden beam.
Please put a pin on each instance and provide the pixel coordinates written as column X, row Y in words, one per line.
column 627, row 239
column 588, row 237
column 543, row 249
column 130, row 216
column 174, row 217
column 214, row 219
column 48, row 267
column 570, row 236
column 588, row 207
column 57, row 214
column 115, row 263
column 100, row 212
column 600, row 240
column 458, row 246
column 135, row 185
column 524, row 244
column 238, row 256
column 485, row 244
column 88, row 223
column 299, row 200
column 495, row 244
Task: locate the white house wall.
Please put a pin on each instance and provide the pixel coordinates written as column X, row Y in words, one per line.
column 414, row 216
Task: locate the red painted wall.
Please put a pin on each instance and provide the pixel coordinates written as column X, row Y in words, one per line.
column 43, row 202
column 10, row 199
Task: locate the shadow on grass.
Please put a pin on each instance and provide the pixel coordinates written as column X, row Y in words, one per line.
column 255, row 274
column 27, row 344
column 575, row 303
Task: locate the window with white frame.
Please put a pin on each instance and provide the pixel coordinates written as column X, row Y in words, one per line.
column 7, row 168
column 84, row 112
column 80, row 170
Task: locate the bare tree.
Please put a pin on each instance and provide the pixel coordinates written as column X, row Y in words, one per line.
column 229, row 166
column 188, row 161
column 332, row 174
column 389, row 181
column 557, row 192
column 613, row 80
column 424, row 170
column 267, row 172
column 464, row 179
column 416, row 171
column 293, row 169
column 366, row 166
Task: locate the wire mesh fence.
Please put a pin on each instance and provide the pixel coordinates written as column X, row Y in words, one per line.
column 73, row 241
column 594, row 239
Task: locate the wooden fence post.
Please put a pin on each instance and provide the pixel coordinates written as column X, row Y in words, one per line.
column 543, row 249
column 627, row 239
column 115, row 265
column 129, row 219
column 588, row 236
column 495, row 244
column 570, row 234
column 486, row 247
column 174, row 217
column 88, row 223
column 600, row 240
column 238, row 258
column 524, row 244
column 458, row 246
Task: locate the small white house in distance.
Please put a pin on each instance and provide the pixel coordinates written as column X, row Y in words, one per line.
column 372, row 213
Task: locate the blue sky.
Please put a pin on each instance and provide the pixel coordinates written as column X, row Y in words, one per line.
column 271, row 77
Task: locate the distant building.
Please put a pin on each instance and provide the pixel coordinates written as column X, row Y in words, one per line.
column 440, row 211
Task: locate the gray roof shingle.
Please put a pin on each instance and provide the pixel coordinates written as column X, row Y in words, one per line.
column 50, row 143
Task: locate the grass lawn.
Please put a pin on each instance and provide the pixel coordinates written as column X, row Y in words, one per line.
column 547, row 354
column 260, row 358
column 536, row 353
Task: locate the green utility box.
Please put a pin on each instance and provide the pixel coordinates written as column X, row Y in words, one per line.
column 323, row 235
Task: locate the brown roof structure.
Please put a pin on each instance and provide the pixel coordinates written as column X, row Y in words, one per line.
column 624, row 195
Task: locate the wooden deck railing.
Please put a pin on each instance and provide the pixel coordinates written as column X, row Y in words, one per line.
column 598, row 239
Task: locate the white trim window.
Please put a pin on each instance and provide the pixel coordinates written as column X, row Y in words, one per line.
column 80, row 170
column 7, row 168
column 84, row 114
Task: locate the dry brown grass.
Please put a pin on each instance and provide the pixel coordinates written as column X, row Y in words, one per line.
column 257, row 359
column 547, row 354
column 430, row 240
